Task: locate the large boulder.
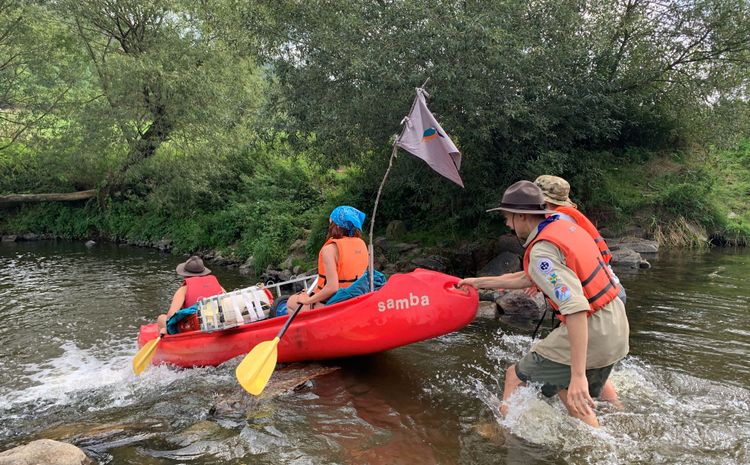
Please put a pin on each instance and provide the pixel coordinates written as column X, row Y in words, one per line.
column 508, row 243
column 506, row 262
column 626, row 258
column 482, row 253
column 642, row 246
column 432, row 262
column 395, row 230
column 518, row 303
column 44, row 452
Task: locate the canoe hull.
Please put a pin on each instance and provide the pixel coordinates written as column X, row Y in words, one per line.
column 411, row 307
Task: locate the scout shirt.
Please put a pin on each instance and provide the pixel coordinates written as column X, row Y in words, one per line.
column 608, row 327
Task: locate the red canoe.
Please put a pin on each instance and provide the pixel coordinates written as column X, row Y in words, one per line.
column 411, row 307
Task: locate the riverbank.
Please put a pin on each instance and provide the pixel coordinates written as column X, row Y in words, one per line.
column 678, row 199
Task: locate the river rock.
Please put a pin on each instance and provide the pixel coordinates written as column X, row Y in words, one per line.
column 402, row 247
column 390, row 269
column 380, row 244
column 164, row 245
column 31, row 237
column 202, row 430
column 488, row 295
column 10, row 238
column 626, row 258
column 380, row 260
column 508, row 243
column 635, row 244
column 298, row 247
column 219, row 260
column 248, row 268
column 84, row 432
column 44, row 452
column 517, row 303
column 433, row 262
column 506, row 262
column 90, row 244
column 487, row 310
column 287, row 263
column 395, row 229
column 284, row 380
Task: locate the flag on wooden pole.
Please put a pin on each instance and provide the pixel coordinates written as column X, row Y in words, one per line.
column 424, row 137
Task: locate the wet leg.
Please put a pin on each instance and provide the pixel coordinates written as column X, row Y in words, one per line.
column 609, row 394
column 512, row 382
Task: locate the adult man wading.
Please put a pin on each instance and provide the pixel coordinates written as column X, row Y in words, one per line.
column 563, row 261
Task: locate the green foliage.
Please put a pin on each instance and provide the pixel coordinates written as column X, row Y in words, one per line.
column 524, row 88
column 238, row 126
column 58, row 220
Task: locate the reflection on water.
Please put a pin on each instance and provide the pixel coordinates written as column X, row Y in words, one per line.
column 70, row 316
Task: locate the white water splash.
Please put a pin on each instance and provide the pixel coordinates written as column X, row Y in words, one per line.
column 78, row 375
column 668, row 417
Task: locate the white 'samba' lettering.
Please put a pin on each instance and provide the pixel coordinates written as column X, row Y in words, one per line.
column 404, row 303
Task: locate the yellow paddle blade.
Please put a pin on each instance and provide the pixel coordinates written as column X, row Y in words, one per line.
column 256, row 368
column 143, row 358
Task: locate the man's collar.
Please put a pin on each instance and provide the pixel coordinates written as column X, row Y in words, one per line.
column 542, row 224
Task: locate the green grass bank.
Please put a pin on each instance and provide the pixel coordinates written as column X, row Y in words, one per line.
column 272, row 196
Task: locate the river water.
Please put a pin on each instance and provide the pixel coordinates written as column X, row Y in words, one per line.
column 70, row 315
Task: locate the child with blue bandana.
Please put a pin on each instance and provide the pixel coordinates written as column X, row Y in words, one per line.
column 342, row 260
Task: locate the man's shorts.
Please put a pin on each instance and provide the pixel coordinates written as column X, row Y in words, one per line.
column 556, row 376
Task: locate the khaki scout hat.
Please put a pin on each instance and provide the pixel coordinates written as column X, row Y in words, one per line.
column 192, row 267
column 556, row 190
column 523, row 197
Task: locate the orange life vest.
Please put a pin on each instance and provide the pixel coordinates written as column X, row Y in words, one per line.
column 581, row 256
column 589, row 227
column 198, row 287
column 352, row 263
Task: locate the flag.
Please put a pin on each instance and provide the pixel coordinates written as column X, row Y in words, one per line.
column 424, row 137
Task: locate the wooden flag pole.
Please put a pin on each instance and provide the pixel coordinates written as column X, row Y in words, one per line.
column 371, row 266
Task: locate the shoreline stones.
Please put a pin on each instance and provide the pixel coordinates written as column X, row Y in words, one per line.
column 493, row 257
column 44, row 452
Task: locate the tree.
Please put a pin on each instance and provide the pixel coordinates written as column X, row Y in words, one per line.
column 31, row 89
column 163, row 75
column 512, row 81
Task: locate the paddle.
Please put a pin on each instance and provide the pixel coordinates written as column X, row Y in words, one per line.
column 257, row 367
column 143, row 358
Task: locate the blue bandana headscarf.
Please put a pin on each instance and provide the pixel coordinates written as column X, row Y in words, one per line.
column 348, row 218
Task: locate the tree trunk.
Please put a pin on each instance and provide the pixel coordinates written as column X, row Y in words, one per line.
column 62, row 197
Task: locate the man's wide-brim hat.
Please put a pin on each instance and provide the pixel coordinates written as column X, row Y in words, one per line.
column 523, row 197
column 556, row 190
column 192, row 267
